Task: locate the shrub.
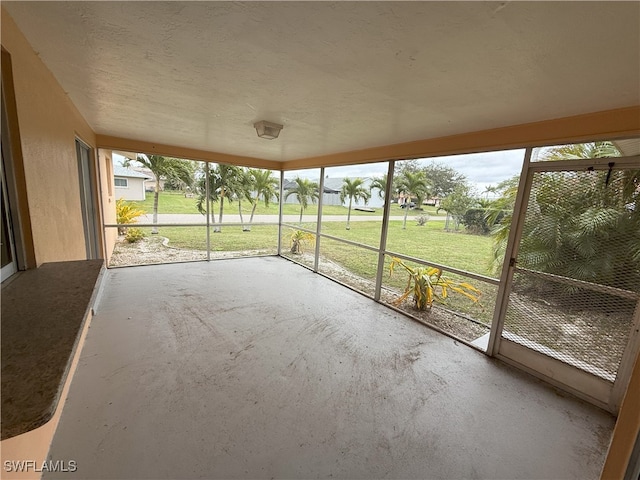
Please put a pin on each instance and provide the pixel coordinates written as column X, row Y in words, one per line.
column 422, row 220
column 427, row 284
column 134, row 235
column 481, row 220
column 298, row 240
column 126, row 212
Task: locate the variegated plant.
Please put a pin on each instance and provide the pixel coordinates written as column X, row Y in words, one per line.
column 126, row 212
column 427, row 284
column 299, row 238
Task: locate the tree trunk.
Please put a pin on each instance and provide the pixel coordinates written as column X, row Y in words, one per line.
column 221, row 211
column 406, row 212
column 253, row 211
column 212, row 213
column 349, row 214
column 156, row 198
column 244, row 229
column 301, row 210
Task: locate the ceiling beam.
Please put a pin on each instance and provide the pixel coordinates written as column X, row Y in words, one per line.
column 130, row 145
column 606, row 125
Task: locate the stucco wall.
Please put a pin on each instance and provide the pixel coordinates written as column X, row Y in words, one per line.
column 626, row 431
column 108, row 199
column 133, row 191
column 49, row 124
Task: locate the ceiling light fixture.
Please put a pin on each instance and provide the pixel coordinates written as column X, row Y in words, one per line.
column 268, row 130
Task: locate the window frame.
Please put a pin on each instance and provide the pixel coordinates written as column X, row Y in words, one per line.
column 126, row 182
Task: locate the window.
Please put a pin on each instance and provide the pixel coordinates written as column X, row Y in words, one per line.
column 121, row 182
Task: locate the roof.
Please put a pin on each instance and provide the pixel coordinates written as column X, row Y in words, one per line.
column 120, row 171
column 331, row 185
column 290, row 185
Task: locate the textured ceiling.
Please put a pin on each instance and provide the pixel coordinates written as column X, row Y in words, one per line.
column 339, row 76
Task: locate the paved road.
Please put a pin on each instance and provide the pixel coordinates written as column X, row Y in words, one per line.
column 180, row 218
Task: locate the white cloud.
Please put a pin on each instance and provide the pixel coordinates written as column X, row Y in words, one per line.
column 484, row 169
column 480, row 169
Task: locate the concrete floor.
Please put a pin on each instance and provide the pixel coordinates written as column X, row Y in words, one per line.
column 257, row 368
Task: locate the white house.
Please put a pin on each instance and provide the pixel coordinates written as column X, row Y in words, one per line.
column 331, row 192
column 129, row 184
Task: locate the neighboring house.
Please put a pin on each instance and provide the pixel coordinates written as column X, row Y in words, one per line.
column 330, row 195
column 129, row 184
column 333, row 187
column 151, row 185
column 136, row 167
column 331, row 192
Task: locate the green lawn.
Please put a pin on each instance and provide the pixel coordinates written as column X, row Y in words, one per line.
column 176, row 202
column 230, row 239
column 430, row 242
column 169, row 202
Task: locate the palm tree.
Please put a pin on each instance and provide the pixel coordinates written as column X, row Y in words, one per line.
column 243, row 190
column 224, row 183
column 304, row 191
column 580, row 151
column 503, row 205
column 489, row 189
column 354, row 190
column 412, row 184
column 263, row 185
column 379, row 183
column 582, row 225
column 202, row 189
column 163, row 168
